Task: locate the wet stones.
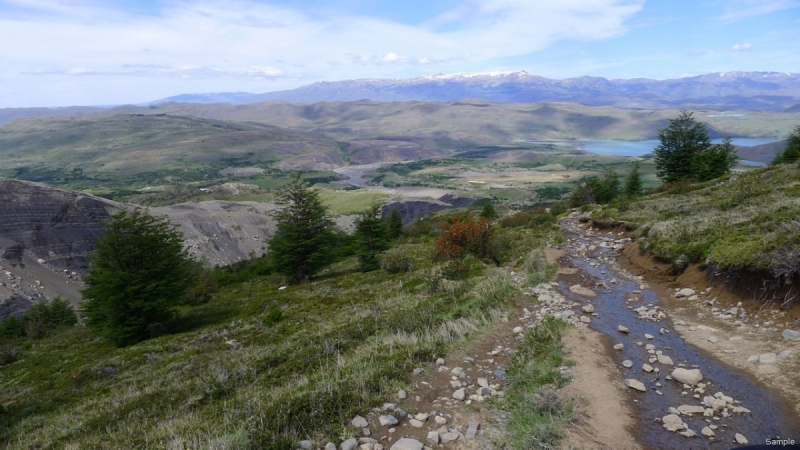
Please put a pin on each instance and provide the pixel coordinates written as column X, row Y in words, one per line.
column 672, row 422
column 687, row 376
column 623, row 329
column 635, row 384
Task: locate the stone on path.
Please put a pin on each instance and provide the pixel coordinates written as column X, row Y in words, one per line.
column 688, row 410
column 623, row 329
column 707, row 432
column 433, row 438
column 306, row 445
column 627, row 364
column 580, row 290
column 791, row 335
column 349, row 444
column 685, row 292
column 402, row 394
column 449, row 436
column 586, row 319
column 330, row 446
column 635, row 384
column 459, row 394
column 388, row 420
column 619, row 346
column 741, row 439
column 687, row 433
column 664, row 359
column 767, row 358
column 687, row 376
column 407, row 444
column 472, row 429
column 647, row 368
column 588, row 309
column 416, row 423
column 672, row 422
column 359, row 422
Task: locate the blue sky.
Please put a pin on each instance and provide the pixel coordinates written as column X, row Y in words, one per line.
column 103, row 52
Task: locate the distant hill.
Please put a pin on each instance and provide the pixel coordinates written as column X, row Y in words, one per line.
column 795, row 108
column 762, row 153
column 769, row 91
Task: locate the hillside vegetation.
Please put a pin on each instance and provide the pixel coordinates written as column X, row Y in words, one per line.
column 263, row 367
column 740, row 221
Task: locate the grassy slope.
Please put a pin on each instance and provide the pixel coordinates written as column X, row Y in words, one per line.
column 122, row 145
column 257, row 367
column 476, row 121
column 745, row 221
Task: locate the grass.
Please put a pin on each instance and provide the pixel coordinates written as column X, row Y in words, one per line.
column 256, row 367
column 740, row 221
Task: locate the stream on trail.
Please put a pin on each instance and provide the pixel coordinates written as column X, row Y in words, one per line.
column 769, row 417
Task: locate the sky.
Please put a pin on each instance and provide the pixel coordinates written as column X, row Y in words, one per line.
column 110, row 52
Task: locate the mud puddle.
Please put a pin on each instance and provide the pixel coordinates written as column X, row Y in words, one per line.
column 754, row 413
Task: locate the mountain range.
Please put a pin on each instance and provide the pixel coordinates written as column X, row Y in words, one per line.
column 768, row 91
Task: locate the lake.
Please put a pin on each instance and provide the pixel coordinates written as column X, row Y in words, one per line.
column 639, row 148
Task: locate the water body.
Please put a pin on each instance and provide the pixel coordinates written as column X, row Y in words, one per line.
column 639, row 148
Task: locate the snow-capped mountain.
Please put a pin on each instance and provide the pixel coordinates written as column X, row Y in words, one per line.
column 728, row 90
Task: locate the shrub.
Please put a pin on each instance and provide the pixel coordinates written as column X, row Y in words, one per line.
column 8, row 355
column 39, row 320
column 463, row 235
column 396, row 260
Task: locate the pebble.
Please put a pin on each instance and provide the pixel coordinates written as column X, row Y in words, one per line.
column 388, row 420
column 623, row 329
column 635, row 384
column 647, row 368
column 741, row 439
column 627, row 364
column 619, row 346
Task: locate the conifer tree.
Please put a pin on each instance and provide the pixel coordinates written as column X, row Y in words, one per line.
column 681, row 141
column 633, row 183
column 371, row 238
column 394, row 228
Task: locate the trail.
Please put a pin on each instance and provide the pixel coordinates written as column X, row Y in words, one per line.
column 728, row 401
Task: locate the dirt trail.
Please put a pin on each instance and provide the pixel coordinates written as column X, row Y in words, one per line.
column 651, row 349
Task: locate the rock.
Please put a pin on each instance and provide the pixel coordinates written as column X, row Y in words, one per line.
column 407, row 444
column 359, row 422
column 648, row 336
column 440, row 361
column 707, row 432
column 791, row 335
column 685, row 292
column 588, row 309
column 349, row 444
column 619, row 346
column 664, row 359
column 440, row 420
column 627, row 364
column 500, row 374
column 687, row 433
column 418, row 371
column 449, row 437
column 586, row 319
column 472, row 429
column 459, row 394
column 688, row 410
column 767, row 358
column 459, row 372
column 647, row 368
column 402, row 394
column 753, row 359
column 718, row 404
column 483, row 382
column 672, row 422
column 306, row 445
column 433, row 438
column 416, row 423
column 708, row 401
column 634, row 384
column 740, row 439
column 713, row 339
column 623, row 329
column 388, row 420
column 687, row 376
column 784, row 354
column 518, row 330
column 580, row 290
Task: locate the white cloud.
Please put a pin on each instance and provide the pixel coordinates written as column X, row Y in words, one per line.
column 740, row 9
column 256, row 41
column 741, row 47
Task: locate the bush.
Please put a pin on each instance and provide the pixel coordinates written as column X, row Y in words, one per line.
column 463, row 235
column 40, row 319
column 396, row 260
column 8, row 355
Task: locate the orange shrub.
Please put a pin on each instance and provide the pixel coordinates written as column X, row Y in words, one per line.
column 461, row 235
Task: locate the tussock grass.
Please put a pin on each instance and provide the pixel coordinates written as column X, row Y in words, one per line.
column 740, row 221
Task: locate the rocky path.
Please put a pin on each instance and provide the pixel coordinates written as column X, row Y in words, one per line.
column 682, row 396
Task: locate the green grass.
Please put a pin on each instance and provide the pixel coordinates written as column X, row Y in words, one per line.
column 256, row 367
column 740, row 221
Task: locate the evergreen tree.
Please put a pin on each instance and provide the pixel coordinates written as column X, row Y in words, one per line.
column 633, row 183
column 714, row 162
column 371, row 238
column 301, row 245
column 139, row 271
column 395, row 227
column 488, row 211
column 792, row 151
column 681, row 141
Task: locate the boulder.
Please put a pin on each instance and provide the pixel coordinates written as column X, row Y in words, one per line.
column 791, row 335
column 687, row 376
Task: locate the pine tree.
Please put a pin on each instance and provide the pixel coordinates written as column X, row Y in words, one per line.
column 139, row 271
column 715, row 161
column 394, row 229
column 681, row 141
column 301, row 245
column 371, row 238
column 633, row 183
column 488, row 212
